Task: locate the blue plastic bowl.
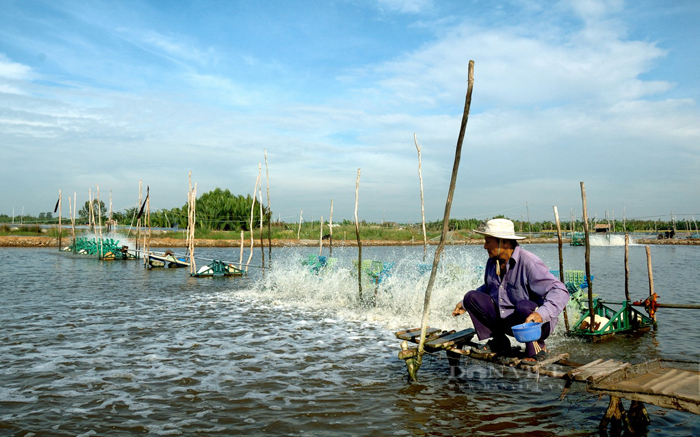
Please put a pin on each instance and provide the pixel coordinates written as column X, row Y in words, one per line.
column 527, row 332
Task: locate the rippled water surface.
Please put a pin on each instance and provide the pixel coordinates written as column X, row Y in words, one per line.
column 110, row 348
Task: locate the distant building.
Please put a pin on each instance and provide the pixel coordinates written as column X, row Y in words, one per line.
column 602, row 228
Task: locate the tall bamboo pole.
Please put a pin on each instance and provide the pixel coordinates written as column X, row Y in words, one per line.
column 91, row 208
column 445, row 224
column 627, row 267
column 148, row 225
column 262, row 245
column 60, row 229
column 299, row 229
column 110, row 211
column 75, row 208
column 138, row 219
column 269, row 210
column 422, row 206
column 99, row 222
column 330, row 226
column 357, row 234
column 589, row 279
column 252, row 232
column 561, row 262
column 192, row 222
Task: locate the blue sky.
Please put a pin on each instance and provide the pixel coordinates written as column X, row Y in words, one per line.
column 109, row 93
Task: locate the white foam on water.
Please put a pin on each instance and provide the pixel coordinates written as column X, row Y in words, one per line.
column 609, row 240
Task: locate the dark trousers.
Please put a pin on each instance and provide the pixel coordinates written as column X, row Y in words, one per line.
column 488, row 323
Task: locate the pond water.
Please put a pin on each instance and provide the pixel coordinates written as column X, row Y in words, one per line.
column 110, row 348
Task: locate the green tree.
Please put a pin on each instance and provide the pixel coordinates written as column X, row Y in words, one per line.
column 98, row 208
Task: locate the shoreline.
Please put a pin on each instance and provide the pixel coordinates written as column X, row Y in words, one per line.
column 42, row 241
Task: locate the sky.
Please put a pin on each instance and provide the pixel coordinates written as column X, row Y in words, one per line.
column 110, row 94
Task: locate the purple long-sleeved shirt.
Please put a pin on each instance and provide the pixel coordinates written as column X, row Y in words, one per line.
column 526, row 277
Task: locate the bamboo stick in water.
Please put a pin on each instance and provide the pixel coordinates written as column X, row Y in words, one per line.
column 422, row 207
column 357, row 234
column 591, row 310
column 445, row 225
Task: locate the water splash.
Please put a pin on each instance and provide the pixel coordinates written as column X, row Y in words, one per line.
column 397, row 302
column 609, row 240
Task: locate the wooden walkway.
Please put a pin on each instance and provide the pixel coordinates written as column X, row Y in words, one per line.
column 655, row 382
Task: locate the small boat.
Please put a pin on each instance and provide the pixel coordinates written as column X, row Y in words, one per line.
column 167, row 259
column 218, row 268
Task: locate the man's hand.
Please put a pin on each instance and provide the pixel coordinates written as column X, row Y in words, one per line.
column 459, row 309
column 534, row 317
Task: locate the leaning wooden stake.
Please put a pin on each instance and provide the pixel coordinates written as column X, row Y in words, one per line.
column 589, row 280
column 357, row 234
column 561, row 263
column 445, row 226
column 422, row 207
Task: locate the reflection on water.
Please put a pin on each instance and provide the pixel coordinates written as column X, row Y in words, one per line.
column 111, row 348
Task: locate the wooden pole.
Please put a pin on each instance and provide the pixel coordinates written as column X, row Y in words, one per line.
column 651, row 277
column 60, row 229
column 91, row 208
column 109, row 222
column 330, row 226
column 99, row 222
column 252, row 232
column 561, row 263
column 591, row 310
column 627, row 267
column 357, row 234
column 240, row 257
column 138, row 219
column 422, row 206
column 262, row 244
column 191, row 222
column 269, row 210
column 148, row 224
column 75, row 208
column 445, row 223
column 299, row 229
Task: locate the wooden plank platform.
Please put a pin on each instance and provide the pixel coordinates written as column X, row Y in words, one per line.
column 413, row 335
column 450, row 340
column 665, row 387
column 596, row 370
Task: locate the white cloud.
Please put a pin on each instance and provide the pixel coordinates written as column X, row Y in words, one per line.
column 14, row 70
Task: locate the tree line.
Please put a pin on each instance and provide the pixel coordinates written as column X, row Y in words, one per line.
column 221, row 210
